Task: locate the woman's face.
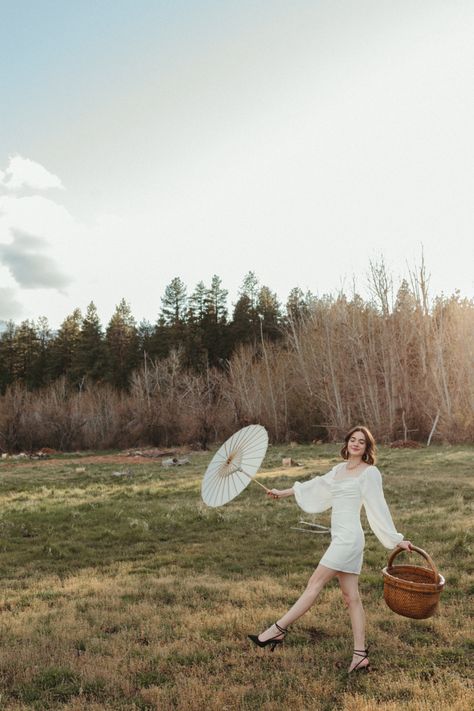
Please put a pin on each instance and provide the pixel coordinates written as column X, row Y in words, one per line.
column 357, row 444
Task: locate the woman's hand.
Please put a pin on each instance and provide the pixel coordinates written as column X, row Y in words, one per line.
column 406, row 545
column 275, row 493
column 279, row 493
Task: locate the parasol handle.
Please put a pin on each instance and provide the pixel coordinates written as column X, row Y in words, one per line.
column 252, row 479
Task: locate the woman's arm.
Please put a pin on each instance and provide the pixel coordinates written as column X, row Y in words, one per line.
column 378, row 513
column 280, row 493
column 312, row 496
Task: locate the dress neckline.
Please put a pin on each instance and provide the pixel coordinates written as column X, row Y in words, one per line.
column 352, row 478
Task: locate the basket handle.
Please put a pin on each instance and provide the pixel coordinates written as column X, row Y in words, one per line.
column 425, row 555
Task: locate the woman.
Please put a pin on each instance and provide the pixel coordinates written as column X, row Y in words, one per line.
column 353, row 482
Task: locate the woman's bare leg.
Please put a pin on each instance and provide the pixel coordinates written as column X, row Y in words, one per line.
column 349, row 583
column 317, row 581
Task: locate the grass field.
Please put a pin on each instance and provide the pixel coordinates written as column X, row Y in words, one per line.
column 127, row 592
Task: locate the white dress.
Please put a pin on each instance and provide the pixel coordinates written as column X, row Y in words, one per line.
column 346, row 497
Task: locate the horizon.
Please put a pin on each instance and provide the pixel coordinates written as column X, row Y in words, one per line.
column 366, row 294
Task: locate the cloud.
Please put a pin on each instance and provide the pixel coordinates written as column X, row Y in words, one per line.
column 30, row 268
column 36, row 215
column 26, row 173
column 10, row 308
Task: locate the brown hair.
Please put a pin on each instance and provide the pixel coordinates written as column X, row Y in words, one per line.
column 369, row 455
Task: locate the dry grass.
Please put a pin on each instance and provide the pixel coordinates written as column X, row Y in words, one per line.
column 128, row 593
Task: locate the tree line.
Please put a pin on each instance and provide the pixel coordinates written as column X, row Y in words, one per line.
column 85, row 352
column 397, row 361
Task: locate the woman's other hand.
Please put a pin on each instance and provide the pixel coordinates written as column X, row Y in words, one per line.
column 279, row 493
column 406, row 545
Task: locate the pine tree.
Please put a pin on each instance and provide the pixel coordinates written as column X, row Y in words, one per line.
column 145, row 338
column 64, row 347
column 7, row 356
column 216, row 301
column 122, row 348
column 195, row 352
column 174, row 303
column 245, row 321
column 296, row 306
column 197, row 304
column 89, row 360
column 216, row 331
column 40, row 372
column 26, row 349
column 161, row 340
column 171, row 331
column 269, row 313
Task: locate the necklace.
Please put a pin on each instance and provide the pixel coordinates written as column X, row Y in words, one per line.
column 351, row 468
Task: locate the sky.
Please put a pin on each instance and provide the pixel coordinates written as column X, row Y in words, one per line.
column 143, row 140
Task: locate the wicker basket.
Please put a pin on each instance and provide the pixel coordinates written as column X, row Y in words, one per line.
column 412, row 590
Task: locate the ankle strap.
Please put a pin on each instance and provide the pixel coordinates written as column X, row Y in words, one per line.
column 361, row 652
column 281, row 629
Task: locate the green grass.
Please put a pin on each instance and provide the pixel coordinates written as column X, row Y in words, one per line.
column 129, row 593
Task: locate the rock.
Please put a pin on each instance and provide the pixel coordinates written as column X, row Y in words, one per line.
column 175, row 462
column 153, row 453
column 124, row 472
column 170, row 462
column 289, row 462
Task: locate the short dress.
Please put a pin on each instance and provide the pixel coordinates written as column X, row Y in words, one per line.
column 346, row 497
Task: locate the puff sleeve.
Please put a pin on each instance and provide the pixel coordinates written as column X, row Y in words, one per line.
column 378, row 514
column 314, row 496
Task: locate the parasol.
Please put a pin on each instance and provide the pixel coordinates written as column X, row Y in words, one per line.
column 234, row 465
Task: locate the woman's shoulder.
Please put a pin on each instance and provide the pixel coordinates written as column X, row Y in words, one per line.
column 372, row 472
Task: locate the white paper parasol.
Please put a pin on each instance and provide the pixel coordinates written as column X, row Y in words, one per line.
column 234, row 465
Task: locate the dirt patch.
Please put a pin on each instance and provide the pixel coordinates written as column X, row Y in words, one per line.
column 108, row 459
column 405, row 444
column 146, row 456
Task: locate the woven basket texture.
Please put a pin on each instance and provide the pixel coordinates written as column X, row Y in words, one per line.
column 411, row 590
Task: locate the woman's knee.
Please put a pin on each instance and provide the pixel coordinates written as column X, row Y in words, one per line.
column 316, row 582
column 351, row 597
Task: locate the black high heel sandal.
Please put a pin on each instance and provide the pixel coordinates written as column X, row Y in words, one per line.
column 273, row 641
column 364, row 653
